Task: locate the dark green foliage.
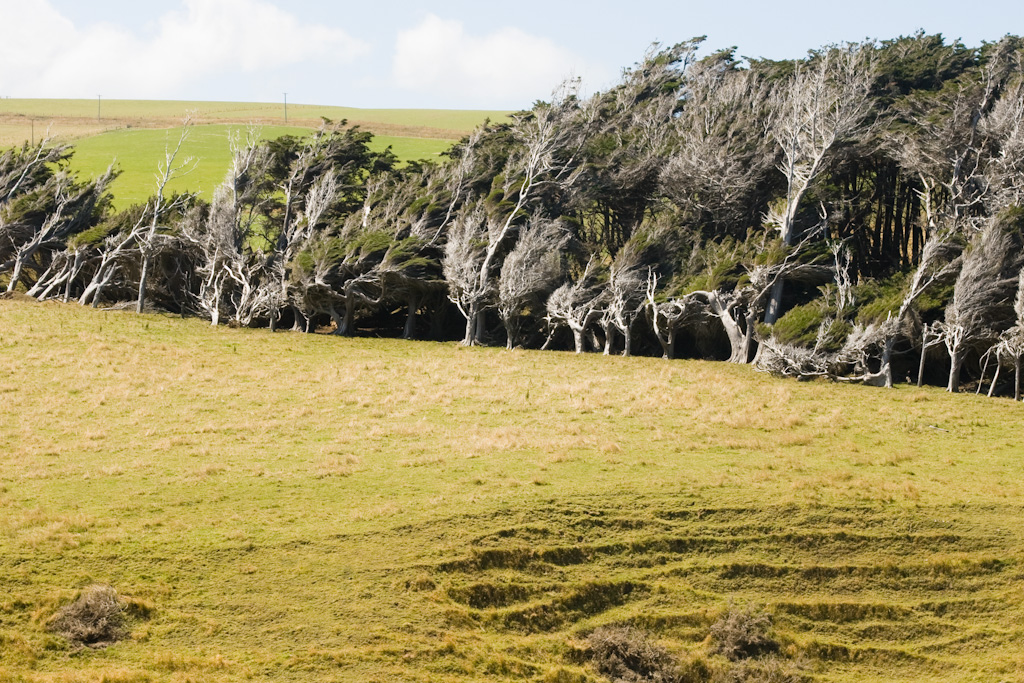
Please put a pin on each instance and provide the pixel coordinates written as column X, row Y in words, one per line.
column 800, row 325
column 919, row 62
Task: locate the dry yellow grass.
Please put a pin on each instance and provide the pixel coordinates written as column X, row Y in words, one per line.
column 300, row 507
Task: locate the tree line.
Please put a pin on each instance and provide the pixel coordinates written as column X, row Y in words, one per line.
column 856, row 214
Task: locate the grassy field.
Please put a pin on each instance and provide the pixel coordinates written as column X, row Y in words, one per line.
column 78, row 118
column 135, row 132
column 139, row 151
column 296, row 507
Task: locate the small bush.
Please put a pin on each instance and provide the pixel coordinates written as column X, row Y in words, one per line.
column 743, row 633
column 767, row 670
column 625, row 654
column 95, row 617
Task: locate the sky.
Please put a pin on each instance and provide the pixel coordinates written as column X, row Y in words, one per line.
column 452, row 54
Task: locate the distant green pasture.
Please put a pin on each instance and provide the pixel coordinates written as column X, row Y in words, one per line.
column 139, row 152
column 446, row 119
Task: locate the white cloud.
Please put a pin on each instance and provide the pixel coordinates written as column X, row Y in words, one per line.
column 506, row 68
column 43, row 54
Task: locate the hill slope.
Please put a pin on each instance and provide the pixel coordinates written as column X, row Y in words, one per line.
column 79, row 118
column 136, row 132
column 137, row 154
column 297, row 507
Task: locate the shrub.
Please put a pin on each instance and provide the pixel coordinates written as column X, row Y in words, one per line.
column 767, row 670
column 95, row 617
column 625, row 654
column 743, row 633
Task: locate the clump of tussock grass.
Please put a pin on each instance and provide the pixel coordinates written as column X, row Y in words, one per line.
column 95, row 618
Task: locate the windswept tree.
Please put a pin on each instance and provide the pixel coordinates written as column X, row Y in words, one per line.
column 670, row 315
column 625, row 297
column 390, row 251
column 1011, row 342
column 318, row 179
column 719, row 153
column 734, row 280
column 225, row 236
column 38, row 224
column 160, row 206
column 468, row 259
column 823, row 105
column 24, row 168
column 543, row 163
column 42, row 205
column 981, row 307
column 577, row 304
column 529, row 273
column 625, row 153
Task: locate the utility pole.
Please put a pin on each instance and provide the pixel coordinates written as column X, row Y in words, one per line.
column 286, row 108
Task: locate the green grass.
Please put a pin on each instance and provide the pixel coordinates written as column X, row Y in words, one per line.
column 463, row 120
column 138, row 153
column 137, row 131
column 298, row 507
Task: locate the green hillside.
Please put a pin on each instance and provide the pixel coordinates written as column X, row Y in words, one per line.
column 444, row 119
column 138, row 153
column 95, row 116
column 135, row 132
column 301, row 507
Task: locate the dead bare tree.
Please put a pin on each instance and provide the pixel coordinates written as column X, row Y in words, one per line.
column 931, row 335
column 625, row 295
column 720, row 147
column 225, row 238
column 467, row 267
column 21, row 168
column 68, row 208
column 1011, row 342
column 670, row 316
column 1004, row 126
